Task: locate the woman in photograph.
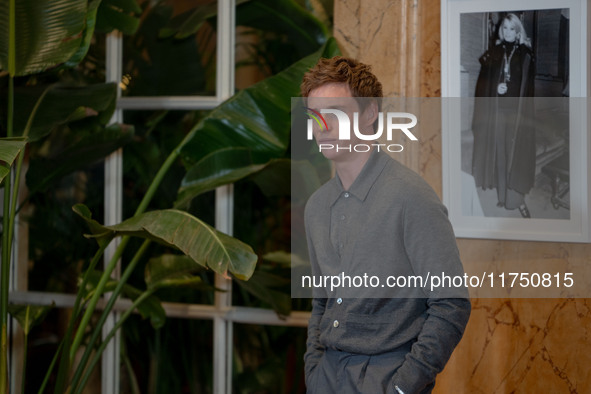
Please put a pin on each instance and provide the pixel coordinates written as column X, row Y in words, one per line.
column 504, row 136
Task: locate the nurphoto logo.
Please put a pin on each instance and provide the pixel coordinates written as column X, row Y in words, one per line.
column 392, row 121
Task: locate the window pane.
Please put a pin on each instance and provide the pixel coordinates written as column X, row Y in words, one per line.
column 177, row 358
column 64, row 166
column 58, row 251
column 173, row 53
column 43, row 343
column 157, row 134
column 262, row 220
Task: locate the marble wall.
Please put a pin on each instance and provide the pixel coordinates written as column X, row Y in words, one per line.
column 510, row 345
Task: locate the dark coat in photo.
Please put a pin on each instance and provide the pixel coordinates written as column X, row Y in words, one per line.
column 508, row 113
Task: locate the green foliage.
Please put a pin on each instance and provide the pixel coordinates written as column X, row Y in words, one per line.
column 66, row 118
column 28, row 315
column 184, row 232
column 10, row 148
column 49, row 32
column 246, row 132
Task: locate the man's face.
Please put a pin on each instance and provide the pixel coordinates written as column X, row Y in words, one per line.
column 338, row 96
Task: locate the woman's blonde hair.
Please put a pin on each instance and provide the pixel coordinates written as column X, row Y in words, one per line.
column 520, row 30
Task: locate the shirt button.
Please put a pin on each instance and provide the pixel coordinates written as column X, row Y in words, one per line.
column 346, row 195
column 335, row 324
column 340, row 246
column 342, row 217
column 339, row 301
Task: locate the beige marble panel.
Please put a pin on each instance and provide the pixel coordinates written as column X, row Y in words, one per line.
column 510, row 345
column 346, row 26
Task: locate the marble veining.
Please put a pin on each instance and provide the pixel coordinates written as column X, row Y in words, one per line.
column 510, row 345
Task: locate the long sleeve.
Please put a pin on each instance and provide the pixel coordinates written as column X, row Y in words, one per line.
column 440, row 334
column 314, row 350
column 431, row 247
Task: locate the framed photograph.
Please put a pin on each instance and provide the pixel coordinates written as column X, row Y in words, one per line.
column 514, row 126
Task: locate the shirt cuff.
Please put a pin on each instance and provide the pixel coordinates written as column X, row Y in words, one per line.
column 409, row 380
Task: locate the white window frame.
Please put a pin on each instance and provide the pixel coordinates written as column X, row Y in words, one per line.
column 222, row 313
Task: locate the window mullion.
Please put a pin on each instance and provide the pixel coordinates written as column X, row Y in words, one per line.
column 113, row 205
column 222, row 357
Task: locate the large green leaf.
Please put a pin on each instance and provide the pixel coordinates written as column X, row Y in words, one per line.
column 9, row 150
column 29, row 315
column 257, row 117
column 189, row 22
column 275, row 178
column 171, row 270
column 122, row 15
column 102, row 235
column 48, row 33
column 301, row 28
column 90, row 23
column 287, row 17
column 218, row 168
column 91, row 148
column 61, row 104
column 263, row 286
column 153, row 62
column 182, row 231
column 243, row 134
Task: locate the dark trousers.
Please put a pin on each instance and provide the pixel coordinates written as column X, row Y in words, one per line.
column 348, row 373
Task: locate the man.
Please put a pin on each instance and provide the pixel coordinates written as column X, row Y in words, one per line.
column 374, row 216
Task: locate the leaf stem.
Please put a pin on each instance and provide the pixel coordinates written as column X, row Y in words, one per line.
column 114, row 295
column 6, row 246
column 64, row 368
column 95, row 298
column 111, row 334
column 124, row 241
column 172, row 157
column 25, row 348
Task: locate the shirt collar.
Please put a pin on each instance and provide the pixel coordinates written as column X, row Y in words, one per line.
column 364, row 181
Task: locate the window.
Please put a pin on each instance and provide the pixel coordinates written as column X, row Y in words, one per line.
column 220, row 318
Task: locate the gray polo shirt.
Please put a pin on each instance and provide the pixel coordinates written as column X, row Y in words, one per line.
column 389, row 223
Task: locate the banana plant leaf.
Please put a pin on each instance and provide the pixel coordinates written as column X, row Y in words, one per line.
column 9, row 150
column 62, row 104
column 148, row 55
column 48, row 33
column 102, row 236
column 218, row 168
column 180, row 230
column 122, row 15
column 189, row 22
column 89, row 149
column 285, row 259
column 263, row 286
column 275, row 178
column 302, row 29
column 171, row 270
column 149, row 308
column 90, row 24
column 29, row 316
column 255, row 119
column 59, row 32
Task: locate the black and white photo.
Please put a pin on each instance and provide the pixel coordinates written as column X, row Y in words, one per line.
column 515, row 139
